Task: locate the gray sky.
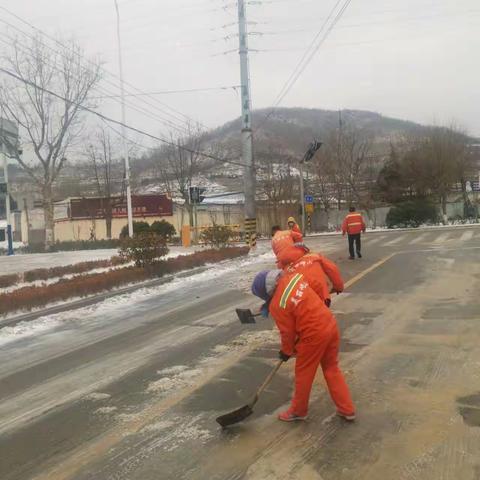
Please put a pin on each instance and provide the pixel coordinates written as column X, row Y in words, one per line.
column 411, row 59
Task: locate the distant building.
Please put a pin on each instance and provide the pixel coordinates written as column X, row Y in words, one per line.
column 85, row 218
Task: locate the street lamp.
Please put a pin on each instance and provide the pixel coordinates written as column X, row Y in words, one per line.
column 309, row 154
column 124, row 131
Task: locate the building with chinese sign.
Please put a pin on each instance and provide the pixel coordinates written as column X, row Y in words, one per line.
column 86, row 218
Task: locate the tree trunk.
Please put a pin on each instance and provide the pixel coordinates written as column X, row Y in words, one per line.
column 48, row 215
column 444, row 208
column 108, row 218
column 467, row 204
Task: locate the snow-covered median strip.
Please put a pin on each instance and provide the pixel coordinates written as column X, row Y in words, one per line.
column 48, row 323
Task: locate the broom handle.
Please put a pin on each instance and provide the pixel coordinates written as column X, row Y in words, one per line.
column 267, row 381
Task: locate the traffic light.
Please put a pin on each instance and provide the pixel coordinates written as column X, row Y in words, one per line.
column 312, row 150
column 196, row 194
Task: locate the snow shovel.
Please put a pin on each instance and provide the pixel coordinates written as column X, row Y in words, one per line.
column 245, row 315
column 243, row 412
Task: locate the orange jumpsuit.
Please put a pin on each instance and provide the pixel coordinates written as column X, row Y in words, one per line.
column 283, row 245
column 316, row 269
column 297, row 230
column 309, row 328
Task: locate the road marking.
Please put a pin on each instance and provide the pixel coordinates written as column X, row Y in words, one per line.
column 375, row 240
column 359, row 276
column 442, row 238
column 418, row 239
column 394, row 241
column 466, row 236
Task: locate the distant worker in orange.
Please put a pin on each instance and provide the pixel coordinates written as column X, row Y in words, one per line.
column 293, row 226
column 287, row 245
column 308, row 330
column 353, row 225
column 317, row 270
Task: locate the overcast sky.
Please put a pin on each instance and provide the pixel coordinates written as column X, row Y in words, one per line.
column 411, row 59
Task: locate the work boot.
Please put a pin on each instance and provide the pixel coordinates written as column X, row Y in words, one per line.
column 349, row 417
column 289, row 416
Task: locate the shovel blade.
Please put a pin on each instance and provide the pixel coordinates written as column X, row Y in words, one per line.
column 245, row 315
column 234, row 417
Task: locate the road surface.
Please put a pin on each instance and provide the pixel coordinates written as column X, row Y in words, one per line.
column 129, row 389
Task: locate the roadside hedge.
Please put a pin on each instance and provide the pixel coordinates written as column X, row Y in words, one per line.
column 27, row 298
column 48, row 273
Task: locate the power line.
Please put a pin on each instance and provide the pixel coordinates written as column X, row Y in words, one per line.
column 308, row 55
column 117, row 122
column 186, row 117
column 101, row 90
column 168, row 92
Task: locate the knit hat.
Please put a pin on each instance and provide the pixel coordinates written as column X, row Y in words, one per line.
column 264, row 283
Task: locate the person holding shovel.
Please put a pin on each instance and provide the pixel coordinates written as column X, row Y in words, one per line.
column 309, row 331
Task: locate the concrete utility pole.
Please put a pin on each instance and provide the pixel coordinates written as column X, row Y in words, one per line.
column 247, row 140
column 124, row 130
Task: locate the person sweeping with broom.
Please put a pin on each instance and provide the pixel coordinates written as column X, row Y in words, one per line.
column 309, row 331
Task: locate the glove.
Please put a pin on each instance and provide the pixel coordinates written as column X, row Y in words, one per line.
column 283, row 356
column 264, row 310
column 301, row 245
column 328, row 302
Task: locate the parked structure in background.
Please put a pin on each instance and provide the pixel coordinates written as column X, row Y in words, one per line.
column 8, row 148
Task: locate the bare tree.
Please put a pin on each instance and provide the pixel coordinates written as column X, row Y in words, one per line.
column 108, row 170
column 178, row 164
column 49, row 124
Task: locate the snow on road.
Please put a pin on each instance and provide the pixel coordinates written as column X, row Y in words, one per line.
column 95, row 313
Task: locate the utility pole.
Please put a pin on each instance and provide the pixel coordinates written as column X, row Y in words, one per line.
column 124, row 130
column 302, row 193
column 247, row 140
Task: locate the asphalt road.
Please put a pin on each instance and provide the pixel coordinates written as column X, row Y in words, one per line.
column 129, row 389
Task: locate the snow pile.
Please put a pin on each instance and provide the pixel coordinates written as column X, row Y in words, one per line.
column 25, row 330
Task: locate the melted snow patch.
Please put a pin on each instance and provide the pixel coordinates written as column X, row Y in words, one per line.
column 172, row 370
column 95, row 396
column 105, row 410
column 183, row 379
column 187, row 433
column 158, row 426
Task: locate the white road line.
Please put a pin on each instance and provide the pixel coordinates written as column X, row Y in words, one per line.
column 394, row 241
column 374, row 240
column 418, row 239
column 466, row 236
column 442, row 238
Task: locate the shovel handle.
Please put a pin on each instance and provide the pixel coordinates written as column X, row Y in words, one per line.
column 266, row 382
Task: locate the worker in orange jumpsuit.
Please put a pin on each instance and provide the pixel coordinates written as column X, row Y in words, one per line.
column 293, row 226
column 317, row 270
column 353, row 225
column 287, row 245
column 308, row 330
